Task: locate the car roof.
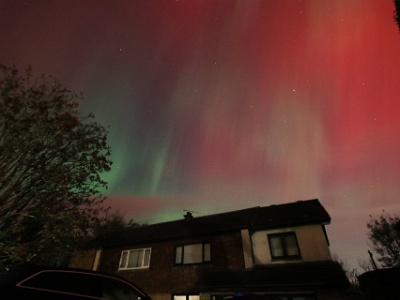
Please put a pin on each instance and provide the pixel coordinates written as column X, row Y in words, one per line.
column 17, row 274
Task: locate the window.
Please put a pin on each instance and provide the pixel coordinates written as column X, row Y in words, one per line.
column 193, row 254
column 135, row 259
column 186, row 297
column 283, row 245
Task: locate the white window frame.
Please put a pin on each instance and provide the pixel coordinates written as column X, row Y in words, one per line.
column 124, row 259
column 186, row 297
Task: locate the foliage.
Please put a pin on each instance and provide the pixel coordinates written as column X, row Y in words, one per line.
column 112, row 223
column 366, row 265
column 51, row 159
column 383, row 232
column 351, row 274
column 397, row 12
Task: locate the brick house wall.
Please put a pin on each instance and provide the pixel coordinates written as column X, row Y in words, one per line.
column 83, row 259
column 239, row 242
column 226, row 253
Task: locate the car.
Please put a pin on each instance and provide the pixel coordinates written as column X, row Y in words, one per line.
column 43, row 283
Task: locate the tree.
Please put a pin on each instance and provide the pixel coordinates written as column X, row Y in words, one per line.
column 113, row 222
column 397, row 12
column 51, row 160
column 350, row 274
column 384, row 234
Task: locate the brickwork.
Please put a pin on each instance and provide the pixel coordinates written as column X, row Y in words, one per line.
column 83, row 259
column 163, row 278
column 160, row 296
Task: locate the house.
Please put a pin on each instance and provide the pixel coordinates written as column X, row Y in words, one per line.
column 278, row 250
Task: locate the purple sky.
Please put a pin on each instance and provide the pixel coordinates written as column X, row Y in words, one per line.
column 221, row 105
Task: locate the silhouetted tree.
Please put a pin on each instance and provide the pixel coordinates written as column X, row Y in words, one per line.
column 397, row 12
column 113, row 222
column 51, row 159
column 385, row 238
column 351, row 274
column 366, row 264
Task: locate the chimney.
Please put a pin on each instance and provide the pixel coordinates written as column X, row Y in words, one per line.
column 188, row 215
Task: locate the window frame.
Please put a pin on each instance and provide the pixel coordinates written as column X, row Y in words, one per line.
column 128, row 252
column 187, row 296
column 203, row 254
column 282, row 241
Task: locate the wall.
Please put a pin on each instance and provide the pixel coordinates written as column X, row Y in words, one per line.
column 311, row 240
column 247, row 249
column 163, row 278
column 83, row 259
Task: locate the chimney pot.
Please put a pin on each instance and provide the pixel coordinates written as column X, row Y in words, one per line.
column 188, row 215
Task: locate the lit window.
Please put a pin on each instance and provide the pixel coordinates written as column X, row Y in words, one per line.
column 186, row 297
column 135, row 259
column 283, row 245
column 193, row 254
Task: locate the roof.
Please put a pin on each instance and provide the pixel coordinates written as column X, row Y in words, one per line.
column 257, row 218
column 275, row 277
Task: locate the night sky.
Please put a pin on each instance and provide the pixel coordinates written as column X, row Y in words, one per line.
column 215, row 106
